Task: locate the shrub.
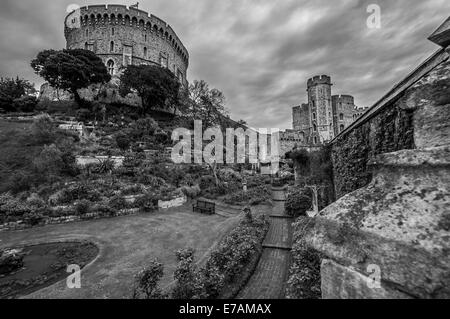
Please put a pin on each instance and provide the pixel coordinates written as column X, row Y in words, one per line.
column 206, row 182
column 118, row 202
column 146, row 282
column 43, row 129
column 49, row 161
column 10, row 261
column 104, row 210
column 185, row 275
column 304, row 276
column 253, row 196
column 25, row 104
column 147, row 202
column 191, row 192
column 298, row 202
column 83, row 207
column 123, row 142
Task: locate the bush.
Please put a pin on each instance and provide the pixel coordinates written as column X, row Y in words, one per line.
column 185, row 275
column 191, row 192
column 123, row 142
column 147, row 202
column 25, row 104
column 304, row 276
column 43, row 129
column 118, row 203
column 10, row 261
column 104, row 210
column 146, row 282
column 253, row 196
column 83, row 207
column 298, row 202
column 49, row 161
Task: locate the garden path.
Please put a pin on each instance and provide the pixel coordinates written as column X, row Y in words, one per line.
column 269, row 279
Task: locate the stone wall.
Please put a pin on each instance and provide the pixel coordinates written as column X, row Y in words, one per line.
column 388, row 234
column 114, row 31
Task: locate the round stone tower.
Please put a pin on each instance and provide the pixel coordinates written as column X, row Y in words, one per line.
column 121, row 36
column 320, row 109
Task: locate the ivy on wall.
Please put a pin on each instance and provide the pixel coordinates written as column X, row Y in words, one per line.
column 389, row 131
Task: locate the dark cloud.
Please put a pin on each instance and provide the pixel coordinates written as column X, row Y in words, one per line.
column 259, row 52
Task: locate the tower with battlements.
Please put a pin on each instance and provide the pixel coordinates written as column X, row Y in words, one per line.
column 122, row 35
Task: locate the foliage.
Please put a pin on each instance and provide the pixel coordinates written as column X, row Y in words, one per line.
column 15, row 95
column 191, row 191
column 253, row 196
column 143, row 128
column 206, row 104
column 185, row 275
column 83, row 207
column 147, row 202
column 71, row 70
column 123, row 141
column 146, row 282
column 157, row 86
column 117, row 202
column 298, row 202
column 304, row 276
column 10, row 261
column 49, row 161
column 43, row 129
column 226, row 262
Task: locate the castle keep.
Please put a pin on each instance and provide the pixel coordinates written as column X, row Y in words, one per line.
column 122, row 36
column 324, row 116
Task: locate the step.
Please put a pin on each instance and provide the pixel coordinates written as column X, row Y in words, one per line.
column 281, row 247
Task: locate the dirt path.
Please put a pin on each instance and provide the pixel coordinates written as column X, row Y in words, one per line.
column 269, row 278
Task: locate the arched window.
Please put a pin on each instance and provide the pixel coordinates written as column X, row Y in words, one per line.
column 341, row 117
column 315, row 128
column 341, row 127
column 134, row 22
column 87, row 32
column 113, row 31
column 155, row 28
column 314, row 116
column 315, row 140
column 111, row 46
column 145, row 37
column 145, row 53
column 110, row 66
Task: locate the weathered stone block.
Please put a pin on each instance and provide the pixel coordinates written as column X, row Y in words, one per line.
column 339, row 282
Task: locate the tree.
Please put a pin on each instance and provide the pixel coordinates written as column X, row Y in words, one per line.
column 156, row 86
column 207, row 104
column 71, row 70
column 16, row 93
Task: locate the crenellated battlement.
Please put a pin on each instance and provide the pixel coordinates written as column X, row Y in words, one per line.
column 343, row 98
column 103, row 15
column 319, row 79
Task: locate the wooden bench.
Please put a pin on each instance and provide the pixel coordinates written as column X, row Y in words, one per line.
column 204, row 207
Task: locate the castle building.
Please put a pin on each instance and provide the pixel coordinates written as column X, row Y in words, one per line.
column 324, row 116
column 122, row 35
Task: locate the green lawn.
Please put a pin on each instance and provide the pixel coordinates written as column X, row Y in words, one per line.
column 127, row 244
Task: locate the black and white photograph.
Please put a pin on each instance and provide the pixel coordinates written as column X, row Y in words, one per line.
column 221, row 157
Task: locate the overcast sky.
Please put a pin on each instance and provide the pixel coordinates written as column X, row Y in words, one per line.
column 260, row 53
